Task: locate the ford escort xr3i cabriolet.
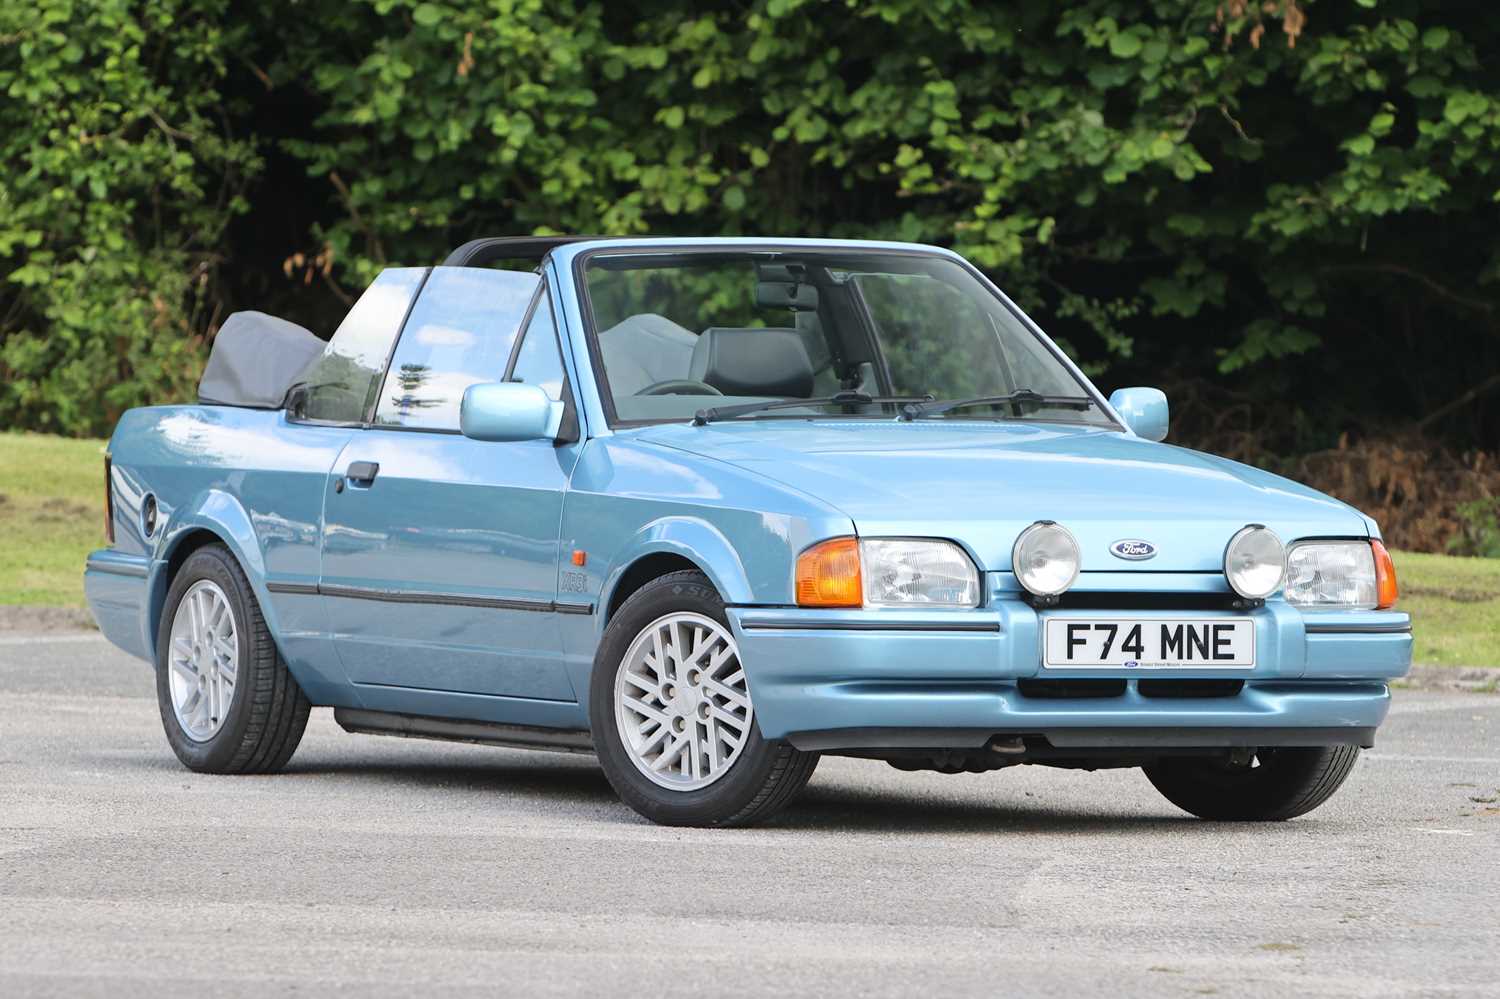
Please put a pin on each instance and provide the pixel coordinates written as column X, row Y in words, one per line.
column 711, row 508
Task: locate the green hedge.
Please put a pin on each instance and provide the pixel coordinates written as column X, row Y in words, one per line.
column 1292, row 200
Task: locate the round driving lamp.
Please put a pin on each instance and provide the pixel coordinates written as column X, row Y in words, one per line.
column 1255, row 562
column 1046, row 558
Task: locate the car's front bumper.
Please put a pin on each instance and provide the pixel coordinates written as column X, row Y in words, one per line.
column 950, row 679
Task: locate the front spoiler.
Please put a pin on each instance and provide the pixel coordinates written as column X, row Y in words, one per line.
column 1115, row 741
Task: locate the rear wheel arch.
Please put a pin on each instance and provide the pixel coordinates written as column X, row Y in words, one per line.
column 190, row 537
column 255, row 724
column 179, row 549
column 182, row 548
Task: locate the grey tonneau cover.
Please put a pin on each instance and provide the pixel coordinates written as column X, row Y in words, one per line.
column 254, row 361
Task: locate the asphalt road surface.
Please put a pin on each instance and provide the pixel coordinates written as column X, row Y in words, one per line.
column 399, row 867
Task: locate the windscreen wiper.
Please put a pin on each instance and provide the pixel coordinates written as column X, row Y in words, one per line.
column 845, row 398
column 1017, row 399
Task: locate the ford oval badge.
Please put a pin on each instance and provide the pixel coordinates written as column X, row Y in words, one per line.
column 1133, row 550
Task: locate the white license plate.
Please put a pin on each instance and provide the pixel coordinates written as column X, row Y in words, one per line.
column 1149, row 643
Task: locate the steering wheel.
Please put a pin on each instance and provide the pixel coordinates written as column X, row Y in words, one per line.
column 680, row 386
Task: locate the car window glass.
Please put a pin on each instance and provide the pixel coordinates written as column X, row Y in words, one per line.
column 675, row 332
column 340, row 385
column 905, row 308
column 460, row 333
column 538, row 361
column 651, row 321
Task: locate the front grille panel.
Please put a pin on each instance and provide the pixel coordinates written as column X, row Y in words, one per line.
column 1189, row 688
column 1107, row 600
column 1068, row 689
column 1049, row 688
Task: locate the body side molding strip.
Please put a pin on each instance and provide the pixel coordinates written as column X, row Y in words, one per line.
column 983, row 627
column 429, row 597
column 308, row 589
column 118, row 568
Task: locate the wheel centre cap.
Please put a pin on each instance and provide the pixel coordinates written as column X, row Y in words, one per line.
column 686, row 701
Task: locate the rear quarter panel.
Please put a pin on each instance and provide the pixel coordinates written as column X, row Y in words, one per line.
column 254, row 482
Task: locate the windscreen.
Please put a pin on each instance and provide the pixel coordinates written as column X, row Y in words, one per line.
column 679, row 331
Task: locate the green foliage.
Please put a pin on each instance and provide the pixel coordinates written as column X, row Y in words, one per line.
column 119, row 178
column 1480, row 531
column 1299, row 196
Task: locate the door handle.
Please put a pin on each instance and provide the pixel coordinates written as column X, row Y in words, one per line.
column 362, row 473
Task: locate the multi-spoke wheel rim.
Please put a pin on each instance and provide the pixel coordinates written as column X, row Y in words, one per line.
column 202, row 659
column 681, row 703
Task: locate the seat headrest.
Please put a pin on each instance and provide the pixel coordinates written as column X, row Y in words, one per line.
column 753, row 362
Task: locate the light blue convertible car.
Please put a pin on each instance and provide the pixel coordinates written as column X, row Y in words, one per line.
column 712, row 508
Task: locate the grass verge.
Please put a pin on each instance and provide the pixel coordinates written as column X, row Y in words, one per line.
column 1455, row 606
column 51, row 516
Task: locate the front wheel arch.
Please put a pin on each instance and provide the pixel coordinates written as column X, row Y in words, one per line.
column 764, row 776
column 642, row 571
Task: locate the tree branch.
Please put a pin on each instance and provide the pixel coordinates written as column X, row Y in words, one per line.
column 1459, row 401
column 1479, row 305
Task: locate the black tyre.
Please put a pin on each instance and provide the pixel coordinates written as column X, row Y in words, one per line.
column 1273, row 785
column 671, row 714
column 228, row 703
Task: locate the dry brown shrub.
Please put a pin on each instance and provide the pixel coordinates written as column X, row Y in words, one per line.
column 1411, row 484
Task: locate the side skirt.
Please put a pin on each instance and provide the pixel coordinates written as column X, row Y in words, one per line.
column 483, row 733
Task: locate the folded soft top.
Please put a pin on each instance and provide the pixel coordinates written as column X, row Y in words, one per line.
column 255, row 359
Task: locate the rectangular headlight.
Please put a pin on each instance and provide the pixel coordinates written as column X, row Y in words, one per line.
column 1331, row 574
column 906, row 572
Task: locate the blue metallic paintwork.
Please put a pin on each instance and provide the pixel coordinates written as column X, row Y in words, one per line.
column 452, row 516
column 805, row 678
column 739, row 500
column 1144, row 410
column 116, row 586
column 505, row 411
column 795, row 691
column 630, row 499
column 990, row 480
column 256, row 483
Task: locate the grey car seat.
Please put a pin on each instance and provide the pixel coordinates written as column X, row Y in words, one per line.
column 753, row 361
column 644, row 349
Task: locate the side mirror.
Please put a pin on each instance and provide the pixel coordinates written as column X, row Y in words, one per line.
column 508, row 411
column 1144, row 411
column 295, row 400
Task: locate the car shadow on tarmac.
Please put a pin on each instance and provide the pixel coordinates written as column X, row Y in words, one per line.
column 577, row 781
column 890, row 810
column 550, row 781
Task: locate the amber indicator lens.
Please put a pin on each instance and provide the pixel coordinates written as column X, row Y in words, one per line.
column 1386, row 590
column 828, row 575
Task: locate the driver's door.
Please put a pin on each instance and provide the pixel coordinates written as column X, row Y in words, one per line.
column 440, row 553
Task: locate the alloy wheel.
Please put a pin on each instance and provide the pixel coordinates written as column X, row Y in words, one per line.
column 202, row 660
column 681, row 702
